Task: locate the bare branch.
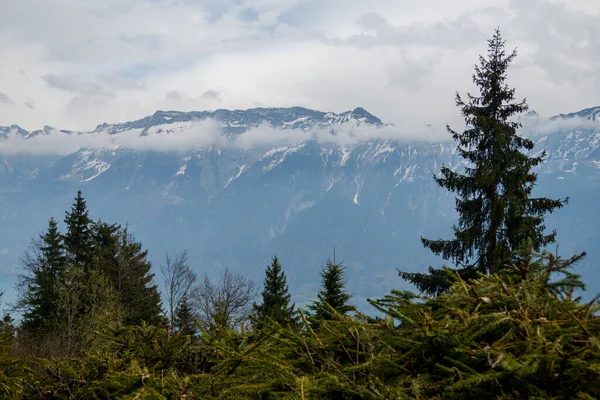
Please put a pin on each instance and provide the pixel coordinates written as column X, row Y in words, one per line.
column 179, row 279
column 226, row 303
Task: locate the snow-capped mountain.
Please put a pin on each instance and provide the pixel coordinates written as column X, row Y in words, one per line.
column 238, row 121
column 290, row 181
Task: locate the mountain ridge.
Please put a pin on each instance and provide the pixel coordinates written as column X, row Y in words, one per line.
column 165, row 117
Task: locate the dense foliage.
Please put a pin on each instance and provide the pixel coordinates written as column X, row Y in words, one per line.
column 96, row 272
column 508, row 325
column 520, row 333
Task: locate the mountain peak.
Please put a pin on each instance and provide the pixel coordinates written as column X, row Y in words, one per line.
column 362, row 113
column 5, row 130
column 592, row 114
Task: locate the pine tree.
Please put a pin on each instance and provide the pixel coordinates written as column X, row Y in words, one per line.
column 44, row 265
column 332, row 294
column 184, row 320
column 275, row 297
column 495, row 207
column 78, row 239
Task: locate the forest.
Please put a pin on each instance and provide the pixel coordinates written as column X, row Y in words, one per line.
column 503, row 318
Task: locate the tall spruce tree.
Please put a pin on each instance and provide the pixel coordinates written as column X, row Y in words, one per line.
column 495, row 207
column 130, row 273
column 332, row 293
column 39, row 287
column 52, row 247
column 78, row 239
column 275, row 297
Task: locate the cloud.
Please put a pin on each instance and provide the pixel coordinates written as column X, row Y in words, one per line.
column 567, row 51
column 193, row 135
column 29, row 104
column 24, row 74
column 4, row 99
column 343, row 135
column 461, row 32
column 88, row 61
column 173, row 95
column 211, row 95
column 118, row 82
column 535, row 125
column 201, row 134
column 71, row 85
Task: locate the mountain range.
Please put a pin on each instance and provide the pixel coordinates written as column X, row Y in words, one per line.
column 236, row 187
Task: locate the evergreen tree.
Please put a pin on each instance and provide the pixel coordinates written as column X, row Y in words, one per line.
column 105, row 241
column 332, row 295
column 495, row 207
column 7, row 327
column 184, row 320
column 128, row 268
column 53, row 247
column 78, row 239
column 39, row 288
column 275, row 297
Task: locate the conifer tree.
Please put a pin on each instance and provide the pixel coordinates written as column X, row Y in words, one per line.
column 129, row 269
column 495, row 207
column 78, row 239
column 53, row 247
column 7, row 327
column 105, row 241
column 39, row 288
column 332, row 294
column 275, row 297
column 184, row 320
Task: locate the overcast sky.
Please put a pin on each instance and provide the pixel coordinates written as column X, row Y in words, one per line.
column 74, row 64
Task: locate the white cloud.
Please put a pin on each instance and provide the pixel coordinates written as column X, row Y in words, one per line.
column 121, row 82
column 547, row 126
column 195, row 135
column 4, row 99
column 200, row 134
column 83, row 62
column 211, row 95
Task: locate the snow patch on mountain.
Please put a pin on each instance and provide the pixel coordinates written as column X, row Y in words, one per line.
column 359, row 185
column 346, row 151
column 88, row 166
column 231, row 179
column 279, row 155
column 8, row 167
column 382, row 148
column 183, row 168
column 293, row 124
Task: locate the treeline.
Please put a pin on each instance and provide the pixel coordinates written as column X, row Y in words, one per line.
column 504, row 322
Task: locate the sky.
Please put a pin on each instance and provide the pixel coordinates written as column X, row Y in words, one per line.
column 74, row 64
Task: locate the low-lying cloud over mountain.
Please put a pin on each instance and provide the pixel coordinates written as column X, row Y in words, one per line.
column 208, row 131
